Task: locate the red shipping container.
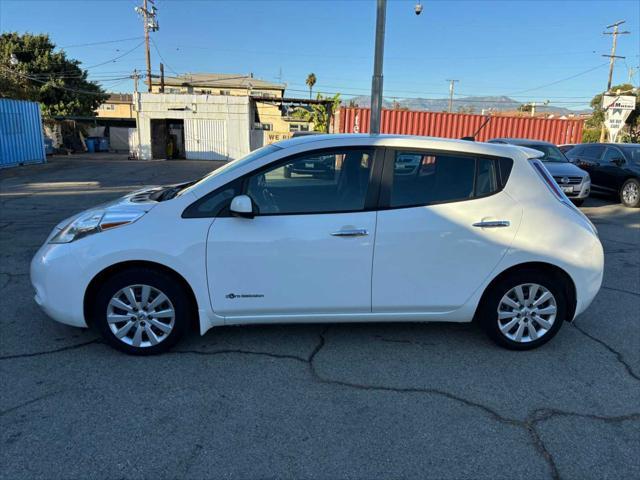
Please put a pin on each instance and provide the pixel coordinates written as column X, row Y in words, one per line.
column 458, row 125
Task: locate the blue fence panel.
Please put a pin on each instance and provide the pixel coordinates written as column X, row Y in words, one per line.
column 21, row 139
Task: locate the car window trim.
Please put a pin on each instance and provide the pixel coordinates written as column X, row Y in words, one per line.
column 386, row 183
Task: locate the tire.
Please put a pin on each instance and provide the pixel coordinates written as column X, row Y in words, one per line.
column 630, row 193
column 578, row 202
column 173, row 313
column 492, row 301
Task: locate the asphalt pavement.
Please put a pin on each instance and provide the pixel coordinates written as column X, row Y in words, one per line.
column 435, row 401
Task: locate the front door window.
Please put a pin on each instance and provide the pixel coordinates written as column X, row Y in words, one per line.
column 324, row 182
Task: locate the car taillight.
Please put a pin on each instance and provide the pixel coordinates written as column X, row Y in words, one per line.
column 548, row 179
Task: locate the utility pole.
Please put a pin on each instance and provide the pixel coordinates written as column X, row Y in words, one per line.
column 150, row 25
column 451, row 88
column 162, row 78
column 612, row 60
column 136, row 104
column 376, row 81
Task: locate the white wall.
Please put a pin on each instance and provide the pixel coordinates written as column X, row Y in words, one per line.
column 234, row 111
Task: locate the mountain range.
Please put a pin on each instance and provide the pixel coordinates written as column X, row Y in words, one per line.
column 466, row 104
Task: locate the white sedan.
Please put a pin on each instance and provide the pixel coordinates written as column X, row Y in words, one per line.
column 471, row 231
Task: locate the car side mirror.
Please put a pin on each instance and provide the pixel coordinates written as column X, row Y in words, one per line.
column 618, row 161
column 242, row 206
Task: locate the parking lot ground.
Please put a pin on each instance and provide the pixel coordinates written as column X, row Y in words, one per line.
column 307, row 401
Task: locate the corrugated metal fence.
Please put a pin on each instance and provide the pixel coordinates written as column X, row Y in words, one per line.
column 21, row 139
column 457, row 125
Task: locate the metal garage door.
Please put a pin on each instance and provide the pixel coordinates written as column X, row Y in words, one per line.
column 205, row 139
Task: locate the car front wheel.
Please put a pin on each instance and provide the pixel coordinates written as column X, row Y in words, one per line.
column 630, row 193
column 141, row 311
column 524, row 310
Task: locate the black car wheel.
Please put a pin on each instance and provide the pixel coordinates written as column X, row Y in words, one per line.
column 630, row 193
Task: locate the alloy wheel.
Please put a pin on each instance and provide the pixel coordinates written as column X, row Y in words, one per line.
column 630, row 193
column 526, row 312
column 140, row 316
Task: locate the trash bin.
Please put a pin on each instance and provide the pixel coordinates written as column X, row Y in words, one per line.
column 103, row 143
column 91, row 144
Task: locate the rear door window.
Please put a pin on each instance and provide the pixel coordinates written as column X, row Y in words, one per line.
column 424, row 178
column 592, row 152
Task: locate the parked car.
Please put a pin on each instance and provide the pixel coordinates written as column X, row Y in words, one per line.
column 614, row 169
column 574, row 182
column 566, row 147
column 478, row 231
column 322, row 166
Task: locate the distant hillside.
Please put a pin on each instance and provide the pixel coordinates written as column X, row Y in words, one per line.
column 468, row 104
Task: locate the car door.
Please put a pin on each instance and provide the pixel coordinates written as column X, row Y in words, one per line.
column 308, row 250
column 441, row 230
column 612, row 168
column 590, row 159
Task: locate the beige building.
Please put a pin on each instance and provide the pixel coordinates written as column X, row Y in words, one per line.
column 268, row 120
column 118, row 105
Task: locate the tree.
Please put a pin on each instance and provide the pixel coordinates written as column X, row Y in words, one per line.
column 594, row 124
column 31, row 69
column 319, row 113
column 311, row 81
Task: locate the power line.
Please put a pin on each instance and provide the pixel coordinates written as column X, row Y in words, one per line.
column 77, row 45
column 162, row 58
column 52, row 85
column 559, row 81
column 115, row 59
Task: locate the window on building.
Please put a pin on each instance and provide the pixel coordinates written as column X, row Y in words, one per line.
column 262, row 126
column 225, row 92
column 107, row 106
column 298, row 127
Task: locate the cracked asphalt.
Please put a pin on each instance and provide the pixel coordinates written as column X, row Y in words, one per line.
column 307, row 401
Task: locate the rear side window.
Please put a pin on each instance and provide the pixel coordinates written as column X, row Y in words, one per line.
column 593, row 152
column 421, row 178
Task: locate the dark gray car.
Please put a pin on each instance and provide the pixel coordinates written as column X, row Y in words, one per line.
column 574, row 182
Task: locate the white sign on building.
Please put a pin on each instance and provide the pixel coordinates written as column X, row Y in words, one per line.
column 617, row 109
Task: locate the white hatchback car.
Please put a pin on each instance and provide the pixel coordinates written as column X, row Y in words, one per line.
column 405, row 229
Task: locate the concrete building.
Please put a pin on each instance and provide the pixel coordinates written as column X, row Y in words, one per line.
column 269, row 122
column 192, row 126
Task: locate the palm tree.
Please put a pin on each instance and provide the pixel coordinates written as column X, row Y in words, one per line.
column 311, row 81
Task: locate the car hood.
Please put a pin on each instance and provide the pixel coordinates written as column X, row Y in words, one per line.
column 558, row 169
column 140, row 200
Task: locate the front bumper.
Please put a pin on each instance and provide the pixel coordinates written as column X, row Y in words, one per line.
column 55, row 276
column 580, row 192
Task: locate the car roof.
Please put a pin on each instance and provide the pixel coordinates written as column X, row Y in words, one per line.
column 404, row 141
column 521, row 141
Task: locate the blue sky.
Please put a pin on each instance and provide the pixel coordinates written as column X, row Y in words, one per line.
column 515, row 48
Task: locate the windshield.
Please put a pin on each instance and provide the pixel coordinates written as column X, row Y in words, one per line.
column 229, row 167
column 551, row 153
column 632, row 152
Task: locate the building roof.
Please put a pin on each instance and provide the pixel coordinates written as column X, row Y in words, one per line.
column 220, row 80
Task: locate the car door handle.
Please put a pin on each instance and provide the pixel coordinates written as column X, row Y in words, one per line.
column 356, row 232
column 492, row 224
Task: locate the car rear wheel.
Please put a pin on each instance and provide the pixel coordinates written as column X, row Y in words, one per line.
column 630, row 193
column 141, row 311
column 524, row 310
column 578, row 202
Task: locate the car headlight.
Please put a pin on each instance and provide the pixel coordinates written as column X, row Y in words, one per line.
column 92, row 222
